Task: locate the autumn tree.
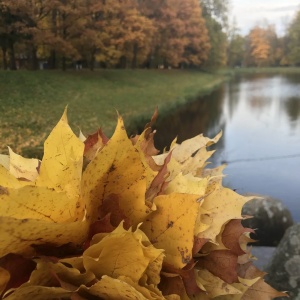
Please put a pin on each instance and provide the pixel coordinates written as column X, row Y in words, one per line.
column 32, row 15
column 68, row 24
column 138, row 32
column 89, row 40
column 172, row 30
column 29, row 25
column 127, row 33
column 197, row 43
column 294, row 40
column 260, row 46
column 181, row 32
column 115, row 33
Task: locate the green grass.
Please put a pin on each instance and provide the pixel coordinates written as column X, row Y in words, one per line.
column 31, row 103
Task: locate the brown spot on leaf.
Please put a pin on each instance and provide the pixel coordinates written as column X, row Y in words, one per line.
column 112, row 168
column 3, row 191
column 170, row 224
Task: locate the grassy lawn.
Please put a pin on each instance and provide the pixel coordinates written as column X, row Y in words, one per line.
column 32, row 102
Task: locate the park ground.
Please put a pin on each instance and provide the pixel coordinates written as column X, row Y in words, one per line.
column 31, row 103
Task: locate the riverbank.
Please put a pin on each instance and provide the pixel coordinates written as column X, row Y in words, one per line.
column 274, row 70
column 31, row 102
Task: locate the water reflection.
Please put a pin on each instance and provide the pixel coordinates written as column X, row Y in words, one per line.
column 202, row 116
column 292, row 106
column 260, row 117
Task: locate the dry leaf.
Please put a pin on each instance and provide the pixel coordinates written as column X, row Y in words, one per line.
column 116, row 170
column 171, row 227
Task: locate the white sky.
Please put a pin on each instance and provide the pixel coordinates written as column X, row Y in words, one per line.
column 248, row 13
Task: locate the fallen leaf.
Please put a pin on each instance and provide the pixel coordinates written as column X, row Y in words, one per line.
column 231, row 236
column 187, row 184
column 94, row 143
column 214, row 285
column 116, row 170
column 61, row 165
column 7, row 180
column 223, row 205
column 120, row 253
column 221, row 263
column 158, row 183
column 20, row 235
column 25, row 168
column 40, row 203
column 4, row 161
column 260, row 290
column 171, row 227
column 111, row 289
column 39, row 293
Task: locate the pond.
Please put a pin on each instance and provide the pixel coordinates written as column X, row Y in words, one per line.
column 260, row 119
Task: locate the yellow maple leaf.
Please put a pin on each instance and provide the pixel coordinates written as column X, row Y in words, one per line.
column 46, row 210
column 120, row 253
column 116, row 171
column 223, row 205
column 7, row 180
column 187, row 184
column 213, row 285
column 112, row 289
column 20, row 235
column 39, row 293
column 61, row 165
column 171, row 226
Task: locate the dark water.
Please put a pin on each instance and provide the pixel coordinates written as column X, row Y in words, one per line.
column 260, row 119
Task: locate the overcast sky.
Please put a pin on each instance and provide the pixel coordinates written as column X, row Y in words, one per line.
column 249, row 12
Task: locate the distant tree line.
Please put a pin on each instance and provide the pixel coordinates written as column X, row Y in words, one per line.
column 263, row 48
column 113, row 33
column 135, row 34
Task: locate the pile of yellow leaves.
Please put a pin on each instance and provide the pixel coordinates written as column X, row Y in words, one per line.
column 103, row 218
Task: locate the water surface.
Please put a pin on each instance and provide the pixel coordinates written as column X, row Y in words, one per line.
column 260, row 119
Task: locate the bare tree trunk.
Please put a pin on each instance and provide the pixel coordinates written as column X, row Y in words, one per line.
column 34, row 59
column 12, row 58
column 135, row 53
column 92, row 61
column 64, row 34
column 64, row 63
column 4, row 58
column 52, row 59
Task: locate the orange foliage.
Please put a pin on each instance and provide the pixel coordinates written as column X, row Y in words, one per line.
column 260, row 46
column 128, row 33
